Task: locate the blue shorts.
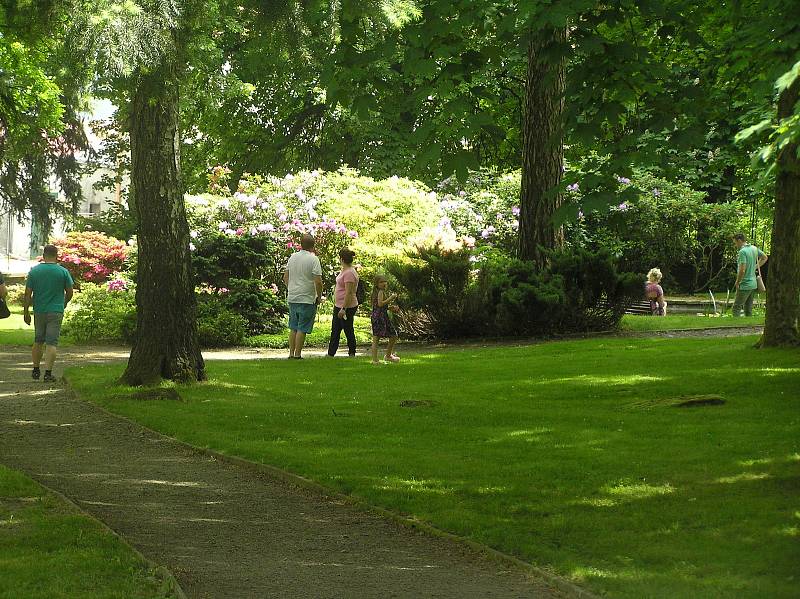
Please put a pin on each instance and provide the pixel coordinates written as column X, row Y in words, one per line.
column 47, row 327
column 301, row 317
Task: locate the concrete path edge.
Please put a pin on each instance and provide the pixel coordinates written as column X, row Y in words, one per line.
column 563, row 585
column 170, row 586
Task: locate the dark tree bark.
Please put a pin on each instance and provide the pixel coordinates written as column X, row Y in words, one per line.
column 166, row 343
column 783, row 295
column 542, row 145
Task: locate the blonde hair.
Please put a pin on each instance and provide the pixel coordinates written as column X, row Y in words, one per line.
column 654, row 275
column 379, row 278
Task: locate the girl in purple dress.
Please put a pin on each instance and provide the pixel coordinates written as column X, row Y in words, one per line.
column 654, row 293
column 381, row 323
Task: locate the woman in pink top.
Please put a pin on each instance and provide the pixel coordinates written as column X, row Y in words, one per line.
column 345, row 304
column 654, row 293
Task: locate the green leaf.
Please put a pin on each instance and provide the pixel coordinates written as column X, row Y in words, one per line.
column 752, row 130
column 786, row 80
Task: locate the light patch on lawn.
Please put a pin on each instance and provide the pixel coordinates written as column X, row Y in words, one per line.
column 743, row 477
column 637, row 490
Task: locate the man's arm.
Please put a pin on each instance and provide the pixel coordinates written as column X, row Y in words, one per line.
column 286, row 277
column 318, row 286
column 762, row 258
column 740, row 274
column 3, row 290
column 26, row 304
column 67, row 295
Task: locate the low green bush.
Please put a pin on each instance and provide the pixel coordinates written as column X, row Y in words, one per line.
column 459, row 293
column 579, row 291
column 218, row 326
column 97, row 315
column 15, row 294
column 439, row 296
column 261, row 308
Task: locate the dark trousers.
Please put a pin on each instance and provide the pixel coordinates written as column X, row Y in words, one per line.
column 337, row 326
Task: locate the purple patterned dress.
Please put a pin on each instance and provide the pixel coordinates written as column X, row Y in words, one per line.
column 381, row 323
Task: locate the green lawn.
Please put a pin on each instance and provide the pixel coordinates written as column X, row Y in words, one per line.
column 14, row 331
column 49, row 551
column 561, row 453
column 685, row 321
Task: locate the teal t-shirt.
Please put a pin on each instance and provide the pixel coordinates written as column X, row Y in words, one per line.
column 48, row 282
column 749, row 255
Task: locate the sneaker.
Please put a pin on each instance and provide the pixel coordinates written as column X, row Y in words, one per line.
column 36, row 374
column 392, row 358
column 49, row 378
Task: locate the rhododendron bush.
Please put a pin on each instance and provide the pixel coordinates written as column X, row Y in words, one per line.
column 91, row 256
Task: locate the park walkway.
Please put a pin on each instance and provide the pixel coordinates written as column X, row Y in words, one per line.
column 224, row 530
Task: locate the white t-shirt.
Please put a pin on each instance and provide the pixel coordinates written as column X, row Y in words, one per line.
column 302, row 267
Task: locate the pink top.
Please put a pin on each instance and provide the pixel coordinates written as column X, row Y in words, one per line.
column 349, row 275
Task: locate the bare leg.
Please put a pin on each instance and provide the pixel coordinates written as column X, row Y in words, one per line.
column 375, row 349
column 36, row 354
column 292, row 341
column 390, row 347
column 299, row 340
column 49, row 357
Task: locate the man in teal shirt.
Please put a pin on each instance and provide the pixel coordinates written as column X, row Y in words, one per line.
column 50, row 285
column 750, row 259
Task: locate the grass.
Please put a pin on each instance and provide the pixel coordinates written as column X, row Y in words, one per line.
column 14, row 331
column 561, row 453
column 685, row 321
column 49, row 551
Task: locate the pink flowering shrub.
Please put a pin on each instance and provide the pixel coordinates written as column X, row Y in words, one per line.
column 91, row 256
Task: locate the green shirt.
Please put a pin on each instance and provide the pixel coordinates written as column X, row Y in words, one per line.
column 48, row 282
column 749, row 255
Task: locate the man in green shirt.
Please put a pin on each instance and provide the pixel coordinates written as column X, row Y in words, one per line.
column 750, row 259
column 50, row 286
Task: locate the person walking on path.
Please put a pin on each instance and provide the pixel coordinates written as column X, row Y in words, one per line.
column 50, row 286
column 750, row 260
column 654, row 293
column 345, row 304
column 303, row 279
column 382, row 325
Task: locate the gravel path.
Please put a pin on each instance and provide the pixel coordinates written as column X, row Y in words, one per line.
column 222, row 529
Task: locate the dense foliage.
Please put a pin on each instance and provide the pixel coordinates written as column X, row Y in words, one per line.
column 98, row 315
column 666, row 225
column 458, row 293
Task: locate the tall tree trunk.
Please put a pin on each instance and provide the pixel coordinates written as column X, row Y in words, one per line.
column 542, row 145
column 166, row 343
column 783, row 295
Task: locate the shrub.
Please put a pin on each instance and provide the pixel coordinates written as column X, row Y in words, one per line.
column 90, row 256
column 579, row 291
column 459, row 293
column 218, row 258
column 97, row 315
column 667, row 225
column 218, row 326
column 375, row 218
column 15, row 294
column 438, row 292
column 484, row 208
column 260, row 307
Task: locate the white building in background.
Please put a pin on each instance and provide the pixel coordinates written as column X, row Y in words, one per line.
column 21, row 240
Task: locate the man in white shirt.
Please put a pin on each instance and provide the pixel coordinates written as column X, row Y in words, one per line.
column 303, row 279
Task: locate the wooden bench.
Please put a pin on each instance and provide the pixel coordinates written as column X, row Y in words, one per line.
column 640, row 308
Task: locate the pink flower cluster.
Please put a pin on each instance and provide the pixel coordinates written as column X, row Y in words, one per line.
column 117, row 285
column 91, row 256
